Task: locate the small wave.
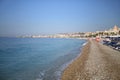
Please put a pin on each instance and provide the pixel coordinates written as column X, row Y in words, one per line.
column 39, row 79
column 84, row 43
column 59, row 72
column 41, row 75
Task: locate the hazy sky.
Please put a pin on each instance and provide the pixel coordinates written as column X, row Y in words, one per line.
column 21, row 17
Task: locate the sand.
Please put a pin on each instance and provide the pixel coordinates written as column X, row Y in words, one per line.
column 96, row 62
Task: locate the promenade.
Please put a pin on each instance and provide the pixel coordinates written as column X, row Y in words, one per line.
column 97, row 62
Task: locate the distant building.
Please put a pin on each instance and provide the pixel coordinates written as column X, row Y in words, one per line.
column 115, row 28
column 111, row 32
column 114, row 31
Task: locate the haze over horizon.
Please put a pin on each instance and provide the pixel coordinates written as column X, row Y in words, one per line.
column 32, row 17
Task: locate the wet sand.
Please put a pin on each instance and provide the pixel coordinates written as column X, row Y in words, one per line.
column 96, row 62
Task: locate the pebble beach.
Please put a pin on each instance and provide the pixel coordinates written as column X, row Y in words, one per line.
column 96, row 62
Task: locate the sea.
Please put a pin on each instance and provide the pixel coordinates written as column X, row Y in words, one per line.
column 36, row 58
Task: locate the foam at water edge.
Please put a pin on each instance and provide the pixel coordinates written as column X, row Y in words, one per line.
column 58, row 73
column 41, row 75
column 84, row 43
column 63, row 67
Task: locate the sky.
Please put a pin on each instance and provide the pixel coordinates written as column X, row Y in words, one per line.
column 33, row 17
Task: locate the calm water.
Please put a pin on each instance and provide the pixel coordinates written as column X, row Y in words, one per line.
column 36, row 59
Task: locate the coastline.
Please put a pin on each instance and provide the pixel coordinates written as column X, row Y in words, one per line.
column 64, row 66
column 77, row 65
column 96, row 62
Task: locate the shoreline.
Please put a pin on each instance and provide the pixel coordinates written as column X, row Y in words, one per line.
column 96, row 62
column 71, row 71
column 64, row 66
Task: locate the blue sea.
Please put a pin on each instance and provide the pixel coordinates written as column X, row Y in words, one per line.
column 36, row 58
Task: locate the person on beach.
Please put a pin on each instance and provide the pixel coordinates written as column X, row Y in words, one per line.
column 97, row 39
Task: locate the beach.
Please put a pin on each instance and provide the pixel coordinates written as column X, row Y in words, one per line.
column 96, row 62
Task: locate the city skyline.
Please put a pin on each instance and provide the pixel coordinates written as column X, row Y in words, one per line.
column 31, row 17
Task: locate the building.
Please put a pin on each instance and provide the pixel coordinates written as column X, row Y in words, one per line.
column 114, row 31
column 111, row 32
